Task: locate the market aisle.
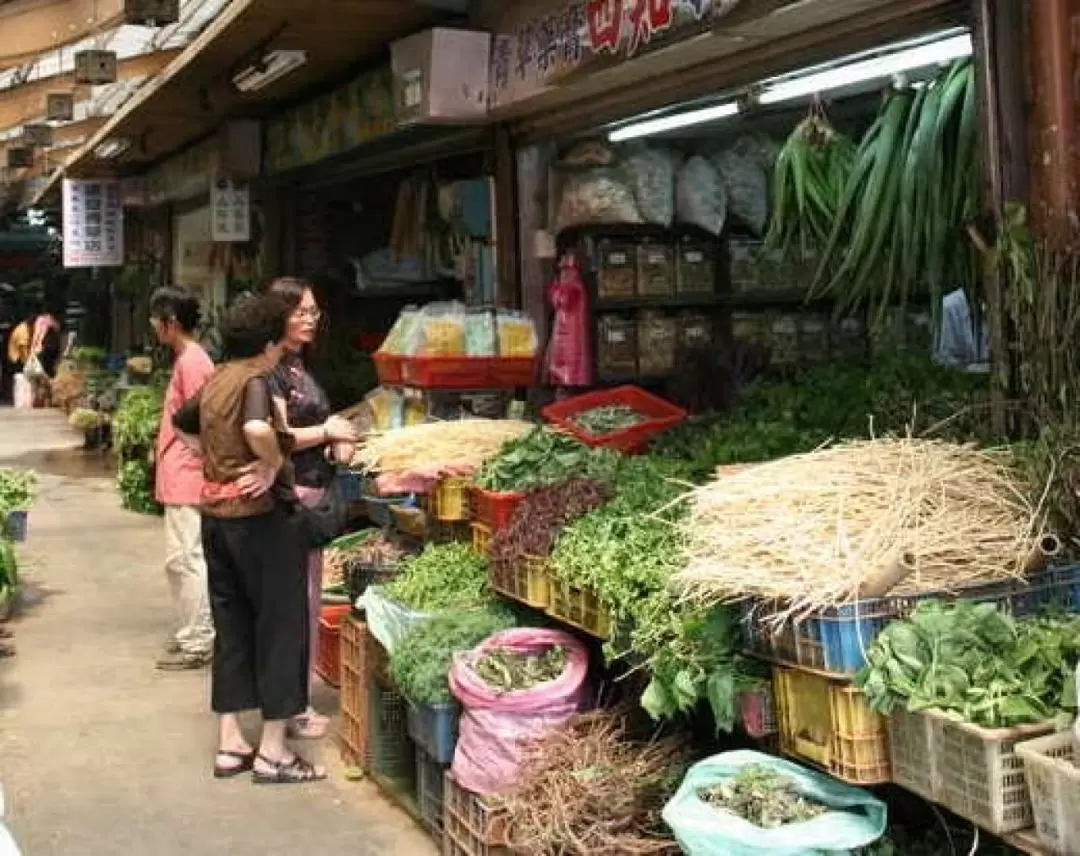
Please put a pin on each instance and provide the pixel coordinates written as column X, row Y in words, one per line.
column 100, row 754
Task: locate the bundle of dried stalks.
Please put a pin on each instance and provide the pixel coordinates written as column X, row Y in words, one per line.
column 860, row 520
column 462, row 444
column 587, row 790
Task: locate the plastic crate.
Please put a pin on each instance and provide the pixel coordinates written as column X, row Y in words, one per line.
column 660, row 416
column 469, row 372
column 380, row 509
column 389, row 368
column 578, row 607
column 429, row 793
column 409, row 521
column 391, row 754
column 17, row 525
column 471, row 827
column 836, row 639
column 830, row 724
column 434, row 728
column 449, row 501
column 757, row 712
column 377, row 661
column 481, row 538
column 973, row 771
column 355, row 702
column 361, row 575
column 351, row 485
column 328, row 650
column 527, row 582
column 1053, row 783
column 447, row 532
column 494, row 508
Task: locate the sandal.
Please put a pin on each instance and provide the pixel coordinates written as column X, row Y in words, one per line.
column 309, row 726
column 223, row 771
column 294, row 772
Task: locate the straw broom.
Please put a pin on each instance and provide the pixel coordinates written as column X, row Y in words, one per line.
column 814, row 529
column 462, row 444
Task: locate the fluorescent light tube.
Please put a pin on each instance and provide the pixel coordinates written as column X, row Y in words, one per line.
column 933, row 53
column 271, row 68
column 673, row 123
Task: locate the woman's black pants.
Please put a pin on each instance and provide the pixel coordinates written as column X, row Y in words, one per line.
column 258, row 597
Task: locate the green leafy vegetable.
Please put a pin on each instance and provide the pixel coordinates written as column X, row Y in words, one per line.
column 136, row 422
column 974, row 662
column 600, row 421
column 543, row 458
column 135, row 481
column 17, row 489
column 763, row 797
column 443, row 576
column 508, row 671
column 421, row 661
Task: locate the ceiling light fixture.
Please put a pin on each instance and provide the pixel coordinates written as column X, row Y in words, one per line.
column 112, row 148
column 673, row 123
column 272, row 67
column 928, row 54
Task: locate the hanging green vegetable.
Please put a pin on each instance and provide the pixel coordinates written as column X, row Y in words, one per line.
column 809, row 178
column 899, row 226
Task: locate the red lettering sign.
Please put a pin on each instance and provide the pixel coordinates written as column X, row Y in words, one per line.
column 605, row 24
column 648, row 17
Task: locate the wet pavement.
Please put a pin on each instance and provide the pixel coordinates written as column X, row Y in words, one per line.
column 100, row 753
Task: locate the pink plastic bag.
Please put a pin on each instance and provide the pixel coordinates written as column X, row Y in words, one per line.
column 496, row 726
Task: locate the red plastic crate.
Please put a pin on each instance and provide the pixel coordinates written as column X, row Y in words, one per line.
column 660, row 415
column 494, row 508
column 328, row 654
column 468, row 372
column 389, row 367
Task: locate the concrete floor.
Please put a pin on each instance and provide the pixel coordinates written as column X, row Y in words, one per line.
column 100, row 753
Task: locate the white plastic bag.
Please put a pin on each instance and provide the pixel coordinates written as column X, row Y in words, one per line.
column 700, row 198
column 23, row 392
column 387, row 620
column 747, row 188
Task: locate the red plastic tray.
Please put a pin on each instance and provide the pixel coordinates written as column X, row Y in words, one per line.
column 389, row 367
column 468, row 372
column 494, row 508
column 660, row 416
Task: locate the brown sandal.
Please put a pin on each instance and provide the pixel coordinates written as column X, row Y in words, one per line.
column 296, row 771
column 223, row 771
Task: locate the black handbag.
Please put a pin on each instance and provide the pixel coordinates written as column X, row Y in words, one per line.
column 326, row 520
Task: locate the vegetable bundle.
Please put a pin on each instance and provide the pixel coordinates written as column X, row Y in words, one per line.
column 763, row 797
column 975, row 662
column 444, row 576
column 543, row 458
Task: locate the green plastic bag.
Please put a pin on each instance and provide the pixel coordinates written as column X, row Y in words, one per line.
column 859, row 818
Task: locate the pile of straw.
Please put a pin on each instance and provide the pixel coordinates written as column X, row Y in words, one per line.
column 815, row 529
column 461, row 445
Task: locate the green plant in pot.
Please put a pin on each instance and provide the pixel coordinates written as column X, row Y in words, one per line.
column 17, row 489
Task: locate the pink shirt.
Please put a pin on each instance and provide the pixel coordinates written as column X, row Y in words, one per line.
column 179, row 473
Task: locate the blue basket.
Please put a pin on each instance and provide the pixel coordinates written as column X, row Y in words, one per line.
column 17, row 525
column 351, row 485
column 434, row 728
column 835, row 639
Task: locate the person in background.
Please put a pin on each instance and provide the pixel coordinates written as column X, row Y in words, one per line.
column 46, row 341
column 318, row 439
column 254, row 549
column 18, row 350
column 174, row 316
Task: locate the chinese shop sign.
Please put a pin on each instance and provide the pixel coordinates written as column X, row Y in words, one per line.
column 547, row 47
column 93, row 224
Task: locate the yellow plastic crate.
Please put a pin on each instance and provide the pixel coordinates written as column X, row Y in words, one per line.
column 449, row 502
column 829, row 723
column 578, row 607
column 481, row 538
column 527, row 583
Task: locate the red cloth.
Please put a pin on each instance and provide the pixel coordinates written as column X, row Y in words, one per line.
column 570, row 349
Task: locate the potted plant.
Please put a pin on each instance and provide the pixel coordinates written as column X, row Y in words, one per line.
column 16, row 496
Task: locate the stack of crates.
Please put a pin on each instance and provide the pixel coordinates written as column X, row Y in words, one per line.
column 354, row 691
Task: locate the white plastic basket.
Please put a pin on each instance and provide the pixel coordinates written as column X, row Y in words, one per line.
column 1053, row 781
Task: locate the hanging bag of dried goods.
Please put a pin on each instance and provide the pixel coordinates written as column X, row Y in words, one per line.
column 700, row 197
column 513, row 687
column 569, row 360
column 590, row 197
column 750, row 804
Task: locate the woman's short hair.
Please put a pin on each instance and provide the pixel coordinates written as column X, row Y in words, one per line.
column 173, row 303
column 253, row 323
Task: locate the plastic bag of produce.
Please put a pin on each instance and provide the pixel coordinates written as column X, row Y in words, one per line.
column 496, row 725
column 855, row 817
column 387, row 619
column 402, row 333
column 700, row 198
column 480, row 333
column 517, row 334
column 439, row 331
column 747, row 188
column 595, row 196
column 652, row 175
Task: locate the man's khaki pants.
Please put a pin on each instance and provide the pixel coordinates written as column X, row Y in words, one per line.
column 185, row 568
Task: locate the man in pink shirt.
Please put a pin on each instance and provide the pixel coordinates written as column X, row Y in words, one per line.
column 174, row 314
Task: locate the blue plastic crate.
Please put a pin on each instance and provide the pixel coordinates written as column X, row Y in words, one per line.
column 434, row 728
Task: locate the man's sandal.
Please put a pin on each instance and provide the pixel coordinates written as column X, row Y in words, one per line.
column 293, row 772
column 228, row 771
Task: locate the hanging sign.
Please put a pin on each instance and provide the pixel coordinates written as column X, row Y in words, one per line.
column 230, row 212
column 93, row 223
column 544, row 49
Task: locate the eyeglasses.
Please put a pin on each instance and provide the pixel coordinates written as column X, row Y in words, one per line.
column 306, row 314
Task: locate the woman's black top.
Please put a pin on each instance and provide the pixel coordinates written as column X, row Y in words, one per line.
column 306, row 404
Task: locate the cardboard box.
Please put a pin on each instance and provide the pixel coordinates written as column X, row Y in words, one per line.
column 441, row 76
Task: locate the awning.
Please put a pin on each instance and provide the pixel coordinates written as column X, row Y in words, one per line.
column 195, row 94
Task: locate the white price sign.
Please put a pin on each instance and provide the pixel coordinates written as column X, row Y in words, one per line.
column 93, row 223
column 230, row 212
